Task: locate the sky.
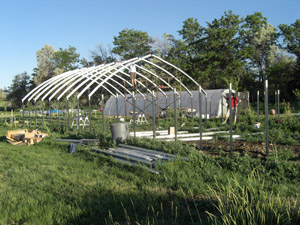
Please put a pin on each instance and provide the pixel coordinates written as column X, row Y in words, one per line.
column 26, row 26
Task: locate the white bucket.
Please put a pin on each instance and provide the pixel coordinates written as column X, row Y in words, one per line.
column 257, row 125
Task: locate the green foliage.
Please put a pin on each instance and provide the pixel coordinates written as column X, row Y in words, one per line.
column 296, row 92
column 132, row 43
column 285, row 107
column 18, row 89
column 66, row 59
column 250, row 204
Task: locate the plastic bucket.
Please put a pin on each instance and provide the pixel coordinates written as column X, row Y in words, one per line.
column 120, row 131
column 256, row 125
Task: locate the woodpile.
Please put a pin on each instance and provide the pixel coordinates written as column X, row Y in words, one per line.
column 24, row 136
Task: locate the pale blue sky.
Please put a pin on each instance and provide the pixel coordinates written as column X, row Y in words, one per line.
column 27, row 25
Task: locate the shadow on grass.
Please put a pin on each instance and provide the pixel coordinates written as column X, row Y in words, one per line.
column 141, row 207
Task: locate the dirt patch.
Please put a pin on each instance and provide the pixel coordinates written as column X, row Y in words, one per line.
column 253, row 149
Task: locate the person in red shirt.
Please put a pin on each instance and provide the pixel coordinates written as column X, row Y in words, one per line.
column 234, row 102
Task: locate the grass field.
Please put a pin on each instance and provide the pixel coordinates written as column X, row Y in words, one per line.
column 44, row 184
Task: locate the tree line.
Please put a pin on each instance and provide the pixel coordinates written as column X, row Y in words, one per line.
column 243, row 51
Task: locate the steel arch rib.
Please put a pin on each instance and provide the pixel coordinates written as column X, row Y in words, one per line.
column 36, row 90
column 65, row 84
column 51, row 85
column 130, row 62
column 79, row 95
column 95, row 80
column 44, row 89
column 106, row 70
column 170, row 75
column 148, row 71
column 67, row 89
column 67, row 80
column 180, row 71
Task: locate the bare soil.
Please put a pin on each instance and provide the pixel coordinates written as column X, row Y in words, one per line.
column 253, row 149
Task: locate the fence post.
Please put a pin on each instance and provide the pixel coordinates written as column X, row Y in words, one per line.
column 117, row 105
column 267, row 117
column 35, row 114
column 134, row 118
column 222, row 110
column 230, row 113
column 153, row 114
column 50, row 114
column 257, row 106
column 200, row 117
column 102, row 105
column 278, row 105
column 68, row 115
column 90, row 115
column 29, row 114
column 78, row 116
column 43, row 125
column 58, row 114
column 192, row 107
column 175, row 114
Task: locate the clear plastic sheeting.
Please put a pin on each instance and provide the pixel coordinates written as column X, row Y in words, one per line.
column 184, row 102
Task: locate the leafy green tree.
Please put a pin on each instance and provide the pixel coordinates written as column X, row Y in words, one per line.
column 132, row 43
column 191, row 50
column 18, row 89
column 45, row 64
column 2, row 94
column 222, row 59
column 291, row 41
column 291, row 35
column 66, row 59
column 258, row 38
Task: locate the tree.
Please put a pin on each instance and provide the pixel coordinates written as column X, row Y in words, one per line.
column 18, row 89
column 258, row 38
column 45, row 64
column 51, row 62
column 66, row 59
column 222, row 59
column 102, row 55
column 291, row 41
column 2, row 94
column 132, row 43
column 291, row 38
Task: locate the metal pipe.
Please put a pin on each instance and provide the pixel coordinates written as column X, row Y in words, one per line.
column 78, row 119
column 23, row 113
column 278, row 105
column 206, row 106
column 29, row 114
column 257, row 106
column 222, row 105
column 35, row 114
column 134, row 119
column 238, row 107
column 68, row 115
column 230, row 108
column 210, row 108
column 102, row 105
column 192, row 107
column 90, row 116
column 200, row 117
column 58, row 114
column 43, row 122
column 267, row 117
column 50, row 114
column 117, row 105
column 166, row 108
column 153, row 114
column 175, row 115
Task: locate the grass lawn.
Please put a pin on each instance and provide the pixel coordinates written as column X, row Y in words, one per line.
column 44, row 184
